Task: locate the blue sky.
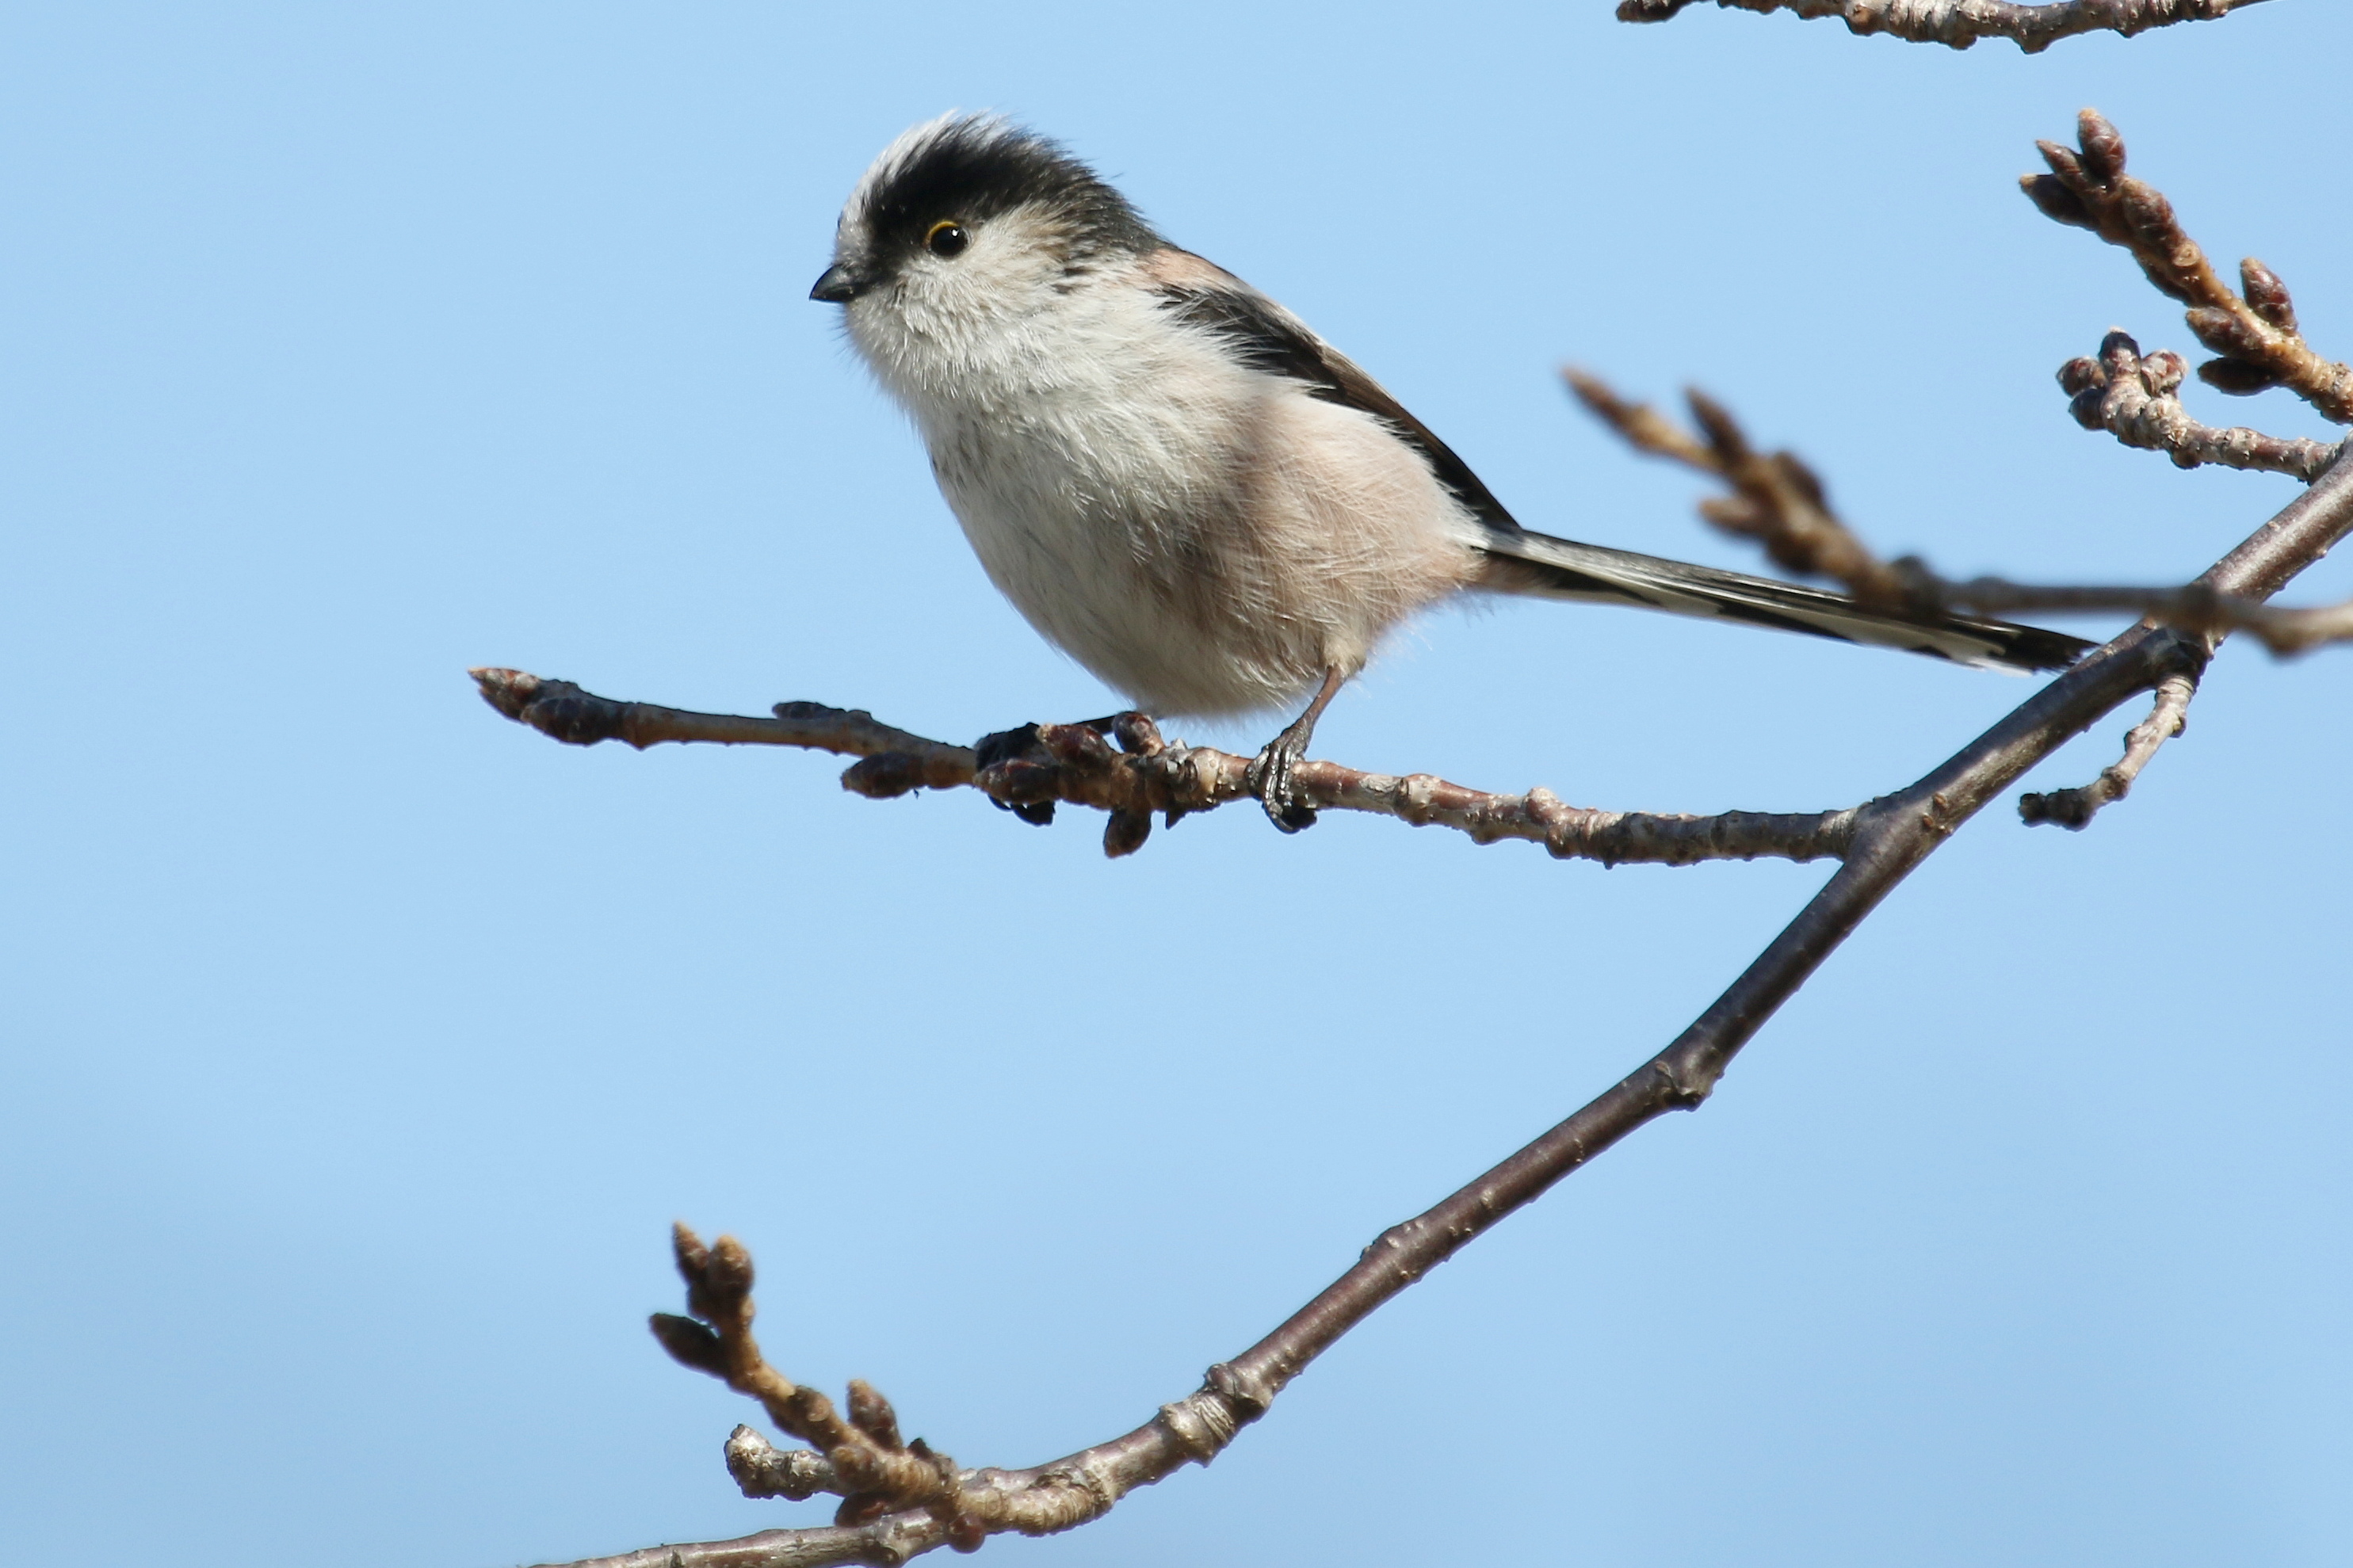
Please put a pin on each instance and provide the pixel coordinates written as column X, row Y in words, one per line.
column 362, row 1045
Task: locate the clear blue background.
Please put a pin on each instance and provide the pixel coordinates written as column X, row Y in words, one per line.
column 360, row 1046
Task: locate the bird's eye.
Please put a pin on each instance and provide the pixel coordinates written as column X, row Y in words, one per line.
column 946, row 237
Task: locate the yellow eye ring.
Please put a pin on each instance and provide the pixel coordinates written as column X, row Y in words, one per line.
column 946, row 237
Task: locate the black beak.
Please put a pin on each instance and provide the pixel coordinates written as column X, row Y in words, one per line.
column 840, row 285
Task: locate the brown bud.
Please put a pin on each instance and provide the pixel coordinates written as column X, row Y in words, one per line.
column 885, row 776
column 1802, row 479
column 2267, row 295
column 2161, row 372
column 1734, row 514
column 871, row 1414
column 2149, row 216
column 2119, row 352
column 2081, row 374
column 688, row 1249
column 1137, row 736
column 574, row 717
column 812, row 1412
column 1073, row 744
column 967, row 1533
column 2064, row 163
column 507, row 691
column 2236, row 377
column 1125, row 834
column 728, row 1275
column 2069, row 808
column 690, row 1343
column 2086, row 407
column 2223, row 332
column 2051, row 198
column 2104, row 149
column 1716, row 423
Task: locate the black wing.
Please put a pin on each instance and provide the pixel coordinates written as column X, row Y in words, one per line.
column 1269, row 338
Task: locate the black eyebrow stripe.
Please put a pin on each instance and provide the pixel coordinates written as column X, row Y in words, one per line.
column 978, row 168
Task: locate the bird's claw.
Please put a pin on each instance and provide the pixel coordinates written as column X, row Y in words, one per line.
column 1270, row 779
column 1003, row 746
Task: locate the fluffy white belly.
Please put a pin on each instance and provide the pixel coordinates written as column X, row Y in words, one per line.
column 1205, row 554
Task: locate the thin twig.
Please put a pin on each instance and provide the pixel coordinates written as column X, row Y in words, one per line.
column 1074, row 763
column 1895, row 834
column 1957, row 23
column 2253, row 329
column 2074, row 808
column 2193, row 609
column 562, row 711
column 2132, row 398
column 1779, row 502
column 859, row 1454
column 1777, row 499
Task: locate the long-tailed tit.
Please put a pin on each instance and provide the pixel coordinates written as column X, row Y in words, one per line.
column 1183, row 488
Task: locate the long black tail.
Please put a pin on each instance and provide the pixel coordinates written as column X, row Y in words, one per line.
column 1545, row 567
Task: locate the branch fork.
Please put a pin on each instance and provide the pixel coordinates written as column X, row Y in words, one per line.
column 900, row 1497
column 2253, row 331
column 858, row 1454
column 2134, row 399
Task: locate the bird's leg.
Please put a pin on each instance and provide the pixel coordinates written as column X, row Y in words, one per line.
column 1270, row 770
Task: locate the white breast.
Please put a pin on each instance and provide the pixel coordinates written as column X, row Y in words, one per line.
column 1206, row 539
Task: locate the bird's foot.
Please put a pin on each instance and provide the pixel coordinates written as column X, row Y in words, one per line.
column 1003, row 746
column 1270, row 779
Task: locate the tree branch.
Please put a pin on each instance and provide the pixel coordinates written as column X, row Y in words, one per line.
column 1778, row 501
column 1963, row 22
column 1957, row 23
column 1780, row 504
column 1891, row 836
column 2074, row 808
column 2132, row 398
column 1042, row 764
column 900, row 1499
column 2254, row 331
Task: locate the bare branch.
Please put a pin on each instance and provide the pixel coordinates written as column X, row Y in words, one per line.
column 1776, row 501
column 2074, row 808
column 2194, row 608
column 900, row 1499
column 562, row 711
column 1961, row 22
column 2253, row 331
column 861, row 1457
column 1042, row 764
column 1893, row 836
column 1780, row 504
column 2132, row 398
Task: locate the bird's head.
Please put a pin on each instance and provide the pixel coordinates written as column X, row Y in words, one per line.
column 965, row 226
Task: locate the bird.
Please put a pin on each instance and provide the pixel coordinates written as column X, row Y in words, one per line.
column 1180, row 485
